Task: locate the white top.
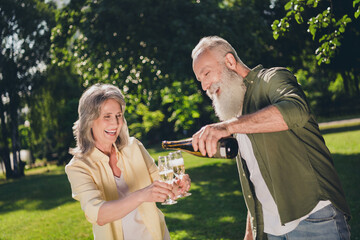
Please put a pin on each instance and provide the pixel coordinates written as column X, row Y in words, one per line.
column 132, row 224
column 272, row 224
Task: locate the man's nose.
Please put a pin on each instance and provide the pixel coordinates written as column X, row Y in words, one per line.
column 205, row 84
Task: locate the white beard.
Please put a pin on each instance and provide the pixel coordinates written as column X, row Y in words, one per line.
column 229, row 103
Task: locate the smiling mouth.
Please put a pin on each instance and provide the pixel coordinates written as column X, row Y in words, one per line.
column 110, row 132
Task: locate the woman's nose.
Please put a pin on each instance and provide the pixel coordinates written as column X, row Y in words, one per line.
column 115, row 120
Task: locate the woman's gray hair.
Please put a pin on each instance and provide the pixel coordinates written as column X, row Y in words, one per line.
column 89, row 110
column 218, row 44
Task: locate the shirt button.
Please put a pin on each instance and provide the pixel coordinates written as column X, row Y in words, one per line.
column 249, row 196
column 244, row 174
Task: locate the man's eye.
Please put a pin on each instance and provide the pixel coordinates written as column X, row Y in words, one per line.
column 207, row 73
column 119, row 115
column 106, row 116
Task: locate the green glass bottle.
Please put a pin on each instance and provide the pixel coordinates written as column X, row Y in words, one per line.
column 226, row 147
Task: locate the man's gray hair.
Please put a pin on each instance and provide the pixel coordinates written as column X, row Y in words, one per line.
column 89, row 110
column 218, row 44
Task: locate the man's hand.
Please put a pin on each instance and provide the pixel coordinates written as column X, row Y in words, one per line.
column 248, row 236
column 248, row 231
column 205, row 140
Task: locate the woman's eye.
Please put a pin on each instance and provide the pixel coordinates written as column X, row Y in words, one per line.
column 106, row 116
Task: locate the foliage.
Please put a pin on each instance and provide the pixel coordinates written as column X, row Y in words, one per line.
column 144, row 47
column 185, row 110
column 329, row 27
column 24, row 35
column 126, row 43
column 53, row 111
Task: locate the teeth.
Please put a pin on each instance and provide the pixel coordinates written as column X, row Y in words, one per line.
column 111, row 132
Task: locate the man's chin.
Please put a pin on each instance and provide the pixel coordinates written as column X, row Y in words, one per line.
column 226, row 110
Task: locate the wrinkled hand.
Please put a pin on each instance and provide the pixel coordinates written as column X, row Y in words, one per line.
column 182, row 185
column 205, row 140
column 157, row 192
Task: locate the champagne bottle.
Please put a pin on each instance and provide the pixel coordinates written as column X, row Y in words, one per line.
column 226, row 147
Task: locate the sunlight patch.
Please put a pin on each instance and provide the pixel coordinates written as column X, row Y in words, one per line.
column 227, row 194
column 180, row 216
column 227, row 219
column 179, row 235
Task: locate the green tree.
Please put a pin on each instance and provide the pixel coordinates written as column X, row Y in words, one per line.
column 144, row 47
column 327, row 22
column 25, row 41
column 53, row 110
column 320, row 38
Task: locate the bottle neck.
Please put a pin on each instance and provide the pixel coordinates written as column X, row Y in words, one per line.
column 181, row 144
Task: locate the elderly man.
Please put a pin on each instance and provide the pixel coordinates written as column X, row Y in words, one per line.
column 289, row 182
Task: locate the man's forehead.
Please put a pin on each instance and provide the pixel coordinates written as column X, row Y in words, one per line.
column 204, row 57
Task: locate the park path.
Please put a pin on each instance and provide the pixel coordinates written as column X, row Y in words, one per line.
column 354, row 120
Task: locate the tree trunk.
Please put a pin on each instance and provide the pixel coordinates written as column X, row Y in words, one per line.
column 346, row 82
column 14, row 105
column 17, row 164
column 357, row 88
column 5, row 152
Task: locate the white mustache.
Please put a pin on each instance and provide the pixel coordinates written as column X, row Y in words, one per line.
column 212, row 90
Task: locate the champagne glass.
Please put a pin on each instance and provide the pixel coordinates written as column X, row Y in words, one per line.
column 166, row 175
column 178, row 166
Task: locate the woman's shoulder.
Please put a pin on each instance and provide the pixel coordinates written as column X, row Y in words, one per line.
column 133, row 142
column 79, row 162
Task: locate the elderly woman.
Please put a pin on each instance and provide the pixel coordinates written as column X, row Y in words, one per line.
column 112, row 175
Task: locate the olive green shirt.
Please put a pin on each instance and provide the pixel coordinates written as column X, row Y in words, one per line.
column 296, row 164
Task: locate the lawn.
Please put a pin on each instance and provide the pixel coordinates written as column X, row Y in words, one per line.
column 40, row 206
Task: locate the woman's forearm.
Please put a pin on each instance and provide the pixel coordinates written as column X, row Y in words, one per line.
column 114, row 210
column 117, row 209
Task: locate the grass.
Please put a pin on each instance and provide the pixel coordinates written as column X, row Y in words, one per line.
column 40, row 206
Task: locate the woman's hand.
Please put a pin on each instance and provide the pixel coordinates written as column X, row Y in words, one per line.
column 183, row 184
column 157, row 192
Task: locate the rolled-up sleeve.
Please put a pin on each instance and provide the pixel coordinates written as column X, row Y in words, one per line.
column 84, row 190
column 285, row 93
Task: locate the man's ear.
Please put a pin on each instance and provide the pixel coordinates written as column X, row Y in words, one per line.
column 230, row 61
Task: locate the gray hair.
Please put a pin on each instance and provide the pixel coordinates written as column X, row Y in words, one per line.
column 218, row 44
column 89, row 110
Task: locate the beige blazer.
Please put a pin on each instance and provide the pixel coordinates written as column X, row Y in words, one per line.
column 92, row 183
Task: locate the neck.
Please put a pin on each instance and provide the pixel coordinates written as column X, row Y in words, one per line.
column 104, row 149
column 242, row 70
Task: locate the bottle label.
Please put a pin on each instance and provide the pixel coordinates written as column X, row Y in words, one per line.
column 222, row 152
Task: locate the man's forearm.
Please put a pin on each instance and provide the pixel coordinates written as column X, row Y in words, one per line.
column 265, row 120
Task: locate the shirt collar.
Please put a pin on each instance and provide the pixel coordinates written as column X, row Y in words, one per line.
column 97, row 155
column 249, row 79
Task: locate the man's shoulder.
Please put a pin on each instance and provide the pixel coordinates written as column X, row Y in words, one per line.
column 268, row 74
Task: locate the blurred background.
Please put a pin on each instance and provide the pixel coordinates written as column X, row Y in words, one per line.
column 51, row 51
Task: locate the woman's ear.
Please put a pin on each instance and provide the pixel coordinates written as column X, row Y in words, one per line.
column 230, row 61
